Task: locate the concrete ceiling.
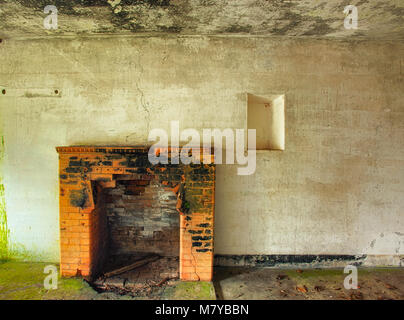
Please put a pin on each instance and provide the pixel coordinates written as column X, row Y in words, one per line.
column 378, row 19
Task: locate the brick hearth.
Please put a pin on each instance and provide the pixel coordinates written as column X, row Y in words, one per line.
column 83, row 174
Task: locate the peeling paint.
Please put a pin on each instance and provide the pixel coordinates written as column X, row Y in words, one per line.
column 387, row 242
column 309, row 261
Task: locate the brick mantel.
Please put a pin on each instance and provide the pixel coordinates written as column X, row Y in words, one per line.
column 85, row 170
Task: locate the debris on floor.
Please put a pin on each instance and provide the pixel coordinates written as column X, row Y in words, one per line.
column 25, row 281
column 144, row 276
column 308, row 284
column 139, row 263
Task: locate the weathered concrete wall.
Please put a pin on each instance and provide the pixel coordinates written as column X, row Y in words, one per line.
column 336, row 189
column 377, row 19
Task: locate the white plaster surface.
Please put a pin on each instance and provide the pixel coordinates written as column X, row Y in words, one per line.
column 336, row 187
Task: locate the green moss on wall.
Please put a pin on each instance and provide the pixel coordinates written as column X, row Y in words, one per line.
column 4, row 232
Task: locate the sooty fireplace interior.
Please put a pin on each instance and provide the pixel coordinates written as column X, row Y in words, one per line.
column 118, row 210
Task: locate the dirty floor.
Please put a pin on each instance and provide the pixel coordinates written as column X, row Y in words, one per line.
column 307, row 284
column 25, row 281
column 144, row 280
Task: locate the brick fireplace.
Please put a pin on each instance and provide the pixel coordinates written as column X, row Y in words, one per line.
column 88, row 174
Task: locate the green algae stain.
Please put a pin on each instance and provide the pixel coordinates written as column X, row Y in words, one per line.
column 17, row 251
column 8, row 249
column 4, row 231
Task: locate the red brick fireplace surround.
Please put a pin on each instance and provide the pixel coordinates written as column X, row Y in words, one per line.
column 85, row 171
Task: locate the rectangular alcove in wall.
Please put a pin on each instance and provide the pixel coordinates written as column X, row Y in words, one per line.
column 266, row 114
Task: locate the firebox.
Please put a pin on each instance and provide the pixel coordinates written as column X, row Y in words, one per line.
column 101, row 186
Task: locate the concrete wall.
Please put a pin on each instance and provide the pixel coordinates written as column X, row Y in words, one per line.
column 336, row 189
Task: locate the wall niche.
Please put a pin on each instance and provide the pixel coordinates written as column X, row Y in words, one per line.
column 266, row 114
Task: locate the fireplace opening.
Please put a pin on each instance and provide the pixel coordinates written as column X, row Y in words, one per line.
column 141, row 225
column 121, row 214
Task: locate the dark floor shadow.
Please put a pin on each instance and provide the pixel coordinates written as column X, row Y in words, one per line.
column 218, row 290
